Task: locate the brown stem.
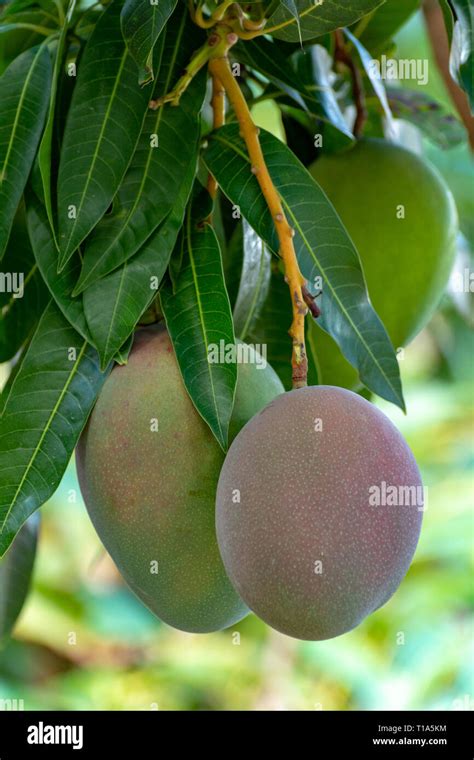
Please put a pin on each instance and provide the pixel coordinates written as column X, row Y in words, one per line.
column 341, row 55
column 220, row 68
column 440, row 44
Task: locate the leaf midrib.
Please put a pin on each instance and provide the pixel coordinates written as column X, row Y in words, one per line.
column 322, row 270
column 18, row 112
column 201, row 319
column 96, row 151
column 139, row 194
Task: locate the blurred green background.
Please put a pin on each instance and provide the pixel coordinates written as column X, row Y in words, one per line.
column 84, row 642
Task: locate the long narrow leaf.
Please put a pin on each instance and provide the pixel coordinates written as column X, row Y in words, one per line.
column 45, row 148
column 15, row 575
column 26, row 296
column 102, row 129
column 142, row 24
column 24, row 93
column 308, row 19
column 324, row 249
column 60, row 284
column 46, row 409
column 199, row 319
column 114, row 304
column 166, row 148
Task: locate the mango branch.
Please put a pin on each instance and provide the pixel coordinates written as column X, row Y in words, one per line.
column 219, row 67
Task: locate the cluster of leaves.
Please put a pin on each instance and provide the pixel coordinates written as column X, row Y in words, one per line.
column 102, row 203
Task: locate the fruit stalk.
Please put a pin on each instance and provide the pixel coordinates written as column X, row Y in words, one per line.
column 219, row 67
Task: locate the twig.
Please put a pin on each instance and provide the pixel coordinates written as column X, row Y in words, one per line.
column 342, row 56
column 439, row 42
column 220, row 68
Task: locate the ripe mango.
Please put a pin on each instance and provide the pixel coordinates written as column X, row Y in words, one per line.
column 319, row 508
column 148, row 467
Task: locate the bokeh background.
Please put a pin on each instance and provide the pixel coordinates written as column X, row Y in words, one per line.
column 84, row 642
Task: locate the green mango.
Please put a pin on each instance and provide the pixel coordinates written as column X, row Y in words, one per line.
column 148, row 467
column 402, row 218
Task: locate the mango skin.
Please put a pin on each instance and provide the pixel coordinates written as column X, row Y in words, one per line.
column 151, row 495
column 304, row 499
column 406, row 261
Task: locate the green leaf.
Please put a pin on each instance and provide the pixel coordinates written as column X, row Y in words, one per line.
column 271, row 327
column 433, row 118
column 114, row 304
column 142, row 24
column 198, row 318
column 332, row 367
column 290, row 6
column 232, row 252
column 24, row 93
column 24, row 295
column 254, row 282
column 314, row 69
column 166, row 148
column 448, row 19
column 316, row 18
column 372, row 71
column 46, row 409
column 17, row 33
column 45, row 148
column 384, row 23
column 121, row 357
column 102, row 129
column 308, row 86
column 16, row 569
column 14, row 369
column 324, row 250
column 462, row 48
column 60, row 284
column 15, row 6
